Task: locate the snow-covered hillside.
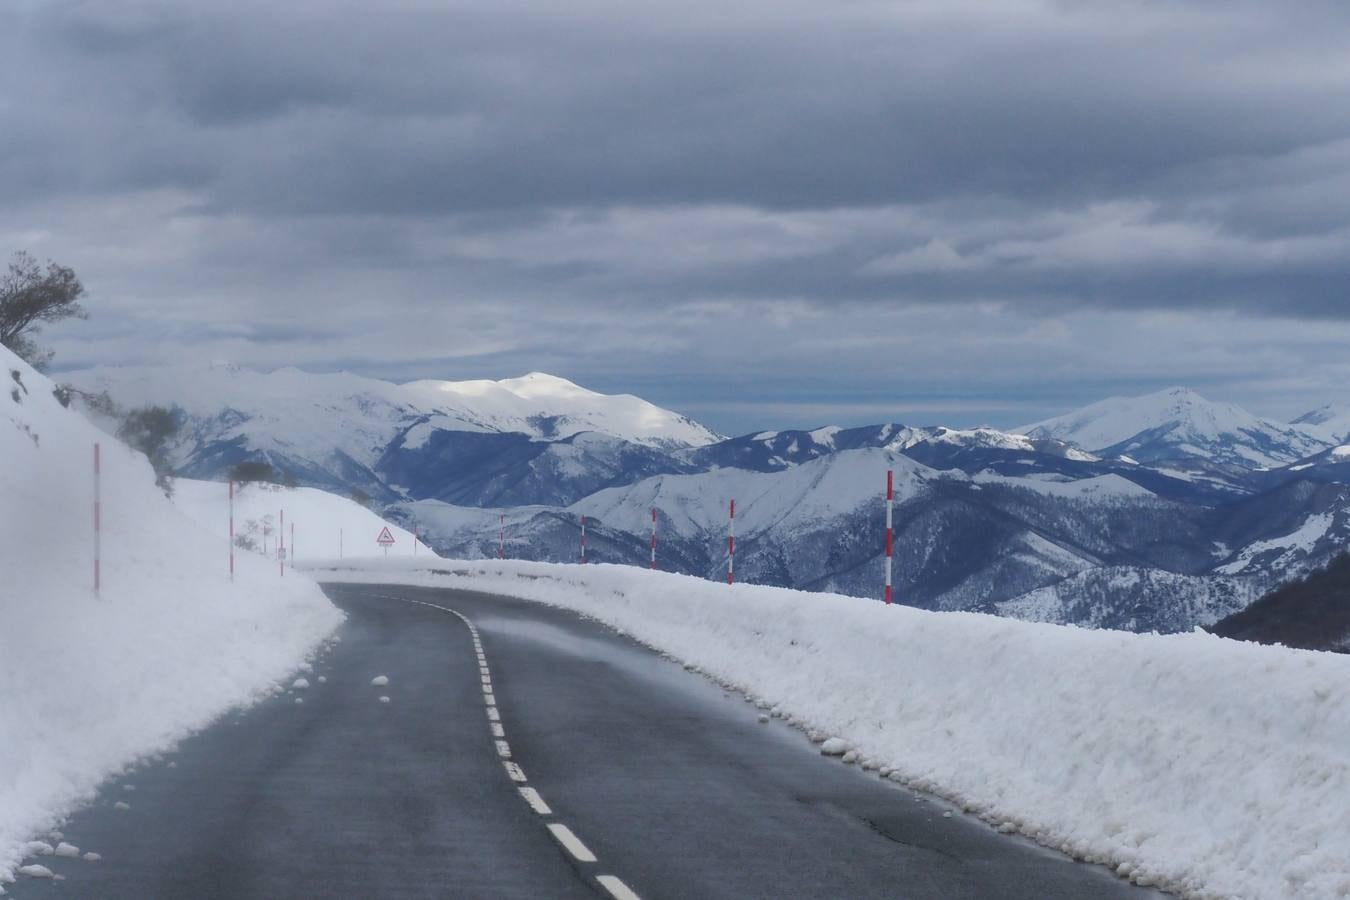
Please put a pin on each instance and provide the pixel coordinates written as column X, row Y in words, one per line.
column 290, row 412
column 90, row 683
column 961, row 541
column 1190, row 497
column 1179, row 426
column 1333, row 418
column 319, row 525
column 1207, row 767
column 537, row 438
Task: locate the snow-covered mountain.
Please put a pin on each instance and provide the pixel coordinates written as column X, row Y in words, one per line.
column 1156, row 512
column 1011, row 544
column 1177, row 428
column 1333, row 418
column 342, row 431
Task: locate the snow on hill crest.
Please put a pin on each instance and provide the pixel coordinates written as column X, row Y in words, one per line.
column 324, row 525
column 1333, row 417
column 1178, row 423
column 361, row 416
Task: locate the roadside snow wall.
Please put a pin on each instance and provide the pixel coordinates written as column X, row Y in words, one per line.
column 89, row 684
column 1205, row 766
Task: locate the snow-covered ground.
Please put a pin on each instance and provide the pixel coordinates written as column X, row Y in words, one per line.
column 1208, row 767
column 323, row 525
column 88, row 683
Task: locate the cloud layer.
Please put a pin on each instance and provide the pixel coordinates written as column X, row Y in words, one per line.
column 755, row 211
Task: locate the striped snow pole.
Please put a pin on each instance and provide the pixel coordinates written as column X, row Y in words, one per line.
column 653, row 537
column 890, row 501
column 731, row 544
column 281, row 544
column 232, row 529
column 501, row 536
column 583, row 539
column 98, row 519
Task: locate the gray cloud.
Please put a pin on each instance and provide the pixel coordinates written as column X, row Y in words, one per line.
column 438, row 188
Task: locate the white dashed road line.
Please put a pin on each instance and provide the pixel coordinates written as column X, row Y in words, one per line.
column 564, row 835
column 536, row 802
column 617, row 889
column 571, row 842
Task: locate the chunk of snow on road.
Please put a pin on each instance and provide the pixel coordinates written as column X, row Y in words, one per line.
column 323, row 679
column 380, row 680
column 300, row 683
column 121, row 804
column 35, row 871
column 834, row 747
column 38, row 848
column 1241, row 733
column 299, row 700
column 69, row 851
column 92, row 857
column 384, row 699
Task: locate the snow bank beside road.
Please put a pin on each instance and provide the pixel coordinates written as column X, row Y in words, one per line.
column 1206, row 766
column 87, row 684
column 324, row 525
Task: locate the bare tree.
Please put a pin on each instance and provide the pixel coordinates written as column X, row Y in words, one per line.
column 151, row 430
column 30, row 297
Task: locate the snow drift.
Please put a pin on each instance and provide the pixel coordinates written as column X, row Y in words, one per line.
column 89, row 684
column 323, row 525
column 1205, row 766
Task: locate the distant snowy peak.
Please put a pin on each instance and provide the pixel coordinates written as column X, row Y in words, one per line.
column 360, row 416
column 1178, row 425
column 551, row 407
column 989, row 439
column 1333, row 418
column 773, row 451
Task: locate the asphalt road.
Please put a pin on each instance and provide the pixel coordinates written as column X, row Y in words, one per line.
column 670, row 783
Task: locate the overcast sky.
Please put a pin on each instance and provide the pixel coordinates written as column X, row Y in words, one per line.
column 766, row 212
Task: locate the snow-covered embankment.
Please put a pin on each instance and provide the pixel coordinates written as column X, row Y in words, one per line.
column 1206, row 766
column 89, row 684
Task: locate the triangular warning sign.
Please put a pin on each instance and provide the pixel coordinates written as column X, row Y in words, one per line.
column 385, row 537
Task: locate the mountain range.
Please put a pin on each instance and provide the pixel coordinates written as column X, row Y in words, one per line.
column 1161, row 512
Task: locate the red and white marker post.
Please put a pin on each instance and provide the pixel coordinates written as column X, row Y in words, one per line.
column 653, row 537
column 731, row 545
column 583, row 540
column 890, row 501
column 231, row 529
column 281, row 544
column 98, row 523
